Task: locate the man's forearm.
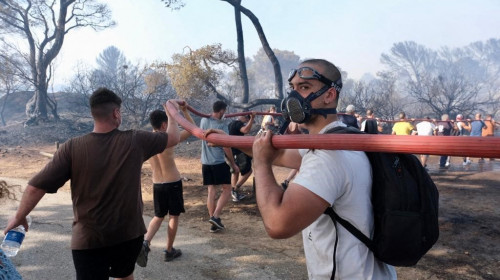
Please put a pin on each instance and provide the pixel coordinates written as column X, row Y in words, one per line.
column 188, row 116
column 247, row 151
column 185, row 134
column 173, row 133
column 30, row 199
column 229, row 155
column 268, row 194
column 246, row 129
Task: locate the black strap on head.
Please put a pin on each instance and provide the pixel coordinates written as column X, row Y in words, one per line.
column 284, row 126
column 317, row 94
column 324, row 112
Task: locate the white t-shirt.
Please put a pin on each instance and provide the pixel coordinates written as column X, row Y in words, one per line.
column 267, row 119
column 461, row 128
column 425, row 128
column 343, row 178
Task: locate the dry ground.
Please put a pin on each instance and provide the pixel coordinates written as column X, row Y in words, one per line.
column 468, row 247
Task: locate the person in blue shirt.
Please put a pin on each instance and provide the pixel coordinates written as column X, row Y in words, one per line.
column 477, row 126
column 215, row 170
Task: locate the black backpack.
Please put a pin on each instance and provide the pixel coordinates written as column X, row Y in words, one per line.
column 405, row 207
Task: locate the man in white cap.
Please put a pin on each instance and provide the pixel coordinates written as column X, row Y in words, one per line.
column 348, row 118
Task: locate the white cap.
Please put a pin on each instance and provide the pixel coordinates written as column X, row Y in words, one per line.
column 350, row 108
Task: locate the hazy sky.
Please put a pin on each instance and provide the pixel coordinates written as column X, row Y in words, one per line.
column 352, row 34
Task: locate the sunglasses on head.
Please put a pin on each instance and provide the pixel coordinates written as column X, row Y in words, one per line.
column 309, row 73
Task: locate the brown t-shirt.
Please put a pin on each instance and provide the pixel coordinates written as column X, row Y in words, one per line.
column 105, row 173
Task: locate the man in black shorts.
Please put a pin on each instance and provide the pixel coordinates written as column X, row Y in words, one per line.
column 240, row 127
column 215, row 170
column 167, row 190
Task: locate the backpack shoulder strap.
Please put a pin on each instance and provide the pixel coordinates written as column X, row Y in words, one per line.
column 330, row 212
column 344, row 129
column 352, row 229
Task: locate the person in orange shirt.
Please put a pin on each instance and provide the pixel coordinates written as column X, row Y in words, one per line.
column 489, row 130
column 490, row 126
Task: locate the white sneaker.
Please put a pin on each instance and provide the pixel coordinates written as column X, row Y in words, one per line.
column 447, row 164
column 467, row 162
column 234, row 194
column 237, row 196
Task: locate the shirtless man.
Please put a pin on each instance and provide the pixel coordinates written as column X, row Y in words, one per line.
column 167, row 190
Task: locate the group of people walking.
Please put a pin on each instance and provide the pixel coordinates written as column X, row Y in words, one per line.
column 109, row 235
column 428, row 127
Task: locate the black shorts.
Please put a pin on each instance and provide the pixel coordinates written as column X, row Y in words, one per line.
column 116, row 261
column 168, row 199
column 218, row 174
column 244, row 163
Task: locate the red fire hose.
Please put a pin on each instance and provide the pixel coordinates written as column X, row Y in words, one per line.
column 232, row 115
column 486, row 147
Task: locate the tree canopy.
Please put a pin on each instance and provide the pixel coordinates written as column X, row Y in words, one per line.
column 198, row 73
column 42, row 26
column 447, row 81
column 141, row 87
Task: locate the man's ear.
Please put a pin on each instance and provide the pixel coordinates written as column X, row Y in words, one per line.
column 331, row 95
column 116, row 113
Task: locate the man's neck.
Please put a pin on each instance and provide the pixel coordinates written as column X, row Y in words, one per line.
column 103, row 127
column 217, row 116
column 320, row 122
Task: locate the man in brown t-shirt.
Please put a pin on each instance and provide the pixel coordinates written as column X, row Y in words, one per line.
column 105, row 169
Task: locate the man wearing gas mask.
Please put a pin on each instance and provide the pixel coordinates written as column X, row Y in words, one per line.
column 341, row 179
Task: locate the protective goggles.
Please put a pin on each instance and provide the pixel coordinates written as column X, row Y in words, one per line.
column 309, row 73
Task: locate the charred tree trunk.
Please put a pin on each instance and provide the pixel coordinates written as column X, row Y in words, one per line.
column 3, row 108
column 40, row 59
column 246, row 105
column 278, row 85
column 44, row 30
column 241, row 53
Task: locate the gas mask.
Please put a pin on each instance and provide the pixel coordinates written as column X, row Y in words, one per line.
column 297, row 109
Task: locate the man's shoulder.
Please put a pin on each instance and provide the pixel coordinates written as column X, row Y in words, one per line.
column 236, row 123
column 402, row 124
column 235, row 126
column 144, row 133
column 346, row 155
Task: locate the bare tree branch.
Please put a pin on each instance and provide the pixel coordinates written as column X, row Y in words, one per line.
column 43, row 25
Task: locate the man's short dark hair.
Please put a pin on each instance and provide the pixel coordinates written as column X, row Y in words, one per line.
column 331, row 71
column 156, row 118
column 102, row 103
column 218, row 106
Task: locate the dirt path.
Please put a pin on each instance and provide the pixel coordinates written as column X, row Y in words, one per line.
column 468, row 248
column 45, row 253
